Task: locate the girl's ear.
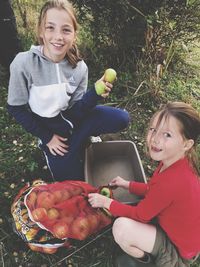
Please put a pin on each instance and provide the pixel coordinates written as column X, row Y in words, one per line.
column 188, row 144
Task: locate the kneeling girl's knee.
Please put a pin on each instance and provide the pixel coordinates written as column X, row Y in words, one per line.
column 118, row 229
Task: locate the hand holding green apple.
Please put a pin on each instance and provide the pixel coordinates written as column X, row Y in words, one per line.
column 97, row 200
column 109, row 76
column 100, row 87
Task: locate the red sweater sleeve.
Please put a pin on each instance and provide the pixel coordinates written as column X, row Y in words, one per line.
column 123, row 210
column 137, row 188
column 158, row 197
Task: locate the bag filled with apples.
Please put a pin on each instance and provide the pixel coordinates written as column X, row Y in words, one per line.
column 62, row 209
column 38, row 239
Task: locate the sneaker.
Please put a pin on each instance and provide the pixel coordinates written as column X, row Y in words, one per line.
column 145, row 259
column 124, row 260
column 95, row 139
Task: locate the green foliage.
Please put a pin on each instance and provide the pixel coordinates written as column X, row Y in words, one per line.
column 26, row 13
column 117, row 30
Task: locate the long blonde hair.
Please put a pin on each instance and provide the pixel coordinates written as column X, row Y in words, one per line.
column 189, row 120
column 73, row 55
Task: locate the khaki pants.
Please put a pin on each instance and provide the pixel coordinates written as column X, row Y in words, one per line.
column 165, row 253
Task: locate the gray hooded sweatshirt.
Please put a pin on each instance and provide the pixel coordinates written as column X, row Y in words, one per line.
column 46, row 86
column 48, row 98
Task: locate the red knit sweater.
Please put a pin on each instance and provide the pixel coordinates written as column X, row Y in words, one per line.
column 173, row 196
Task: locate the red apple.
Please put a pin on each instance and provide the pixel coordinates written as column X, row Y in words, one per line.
column 45, row 200
column 61, row 230
column 49, row 250
column 65, row 213
column 75, row 191
column 66, row 194
column 72, row 206
column 80, row 228
column 93, row 222
column 53, row 214
column 68, row 219
column 58, row 196
column 70, row 210
column 39, row 214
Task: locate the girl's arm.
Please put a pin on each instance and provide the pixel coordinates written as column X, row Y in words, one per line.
column 84, row 105
column 159, row 197
column 81, row 101
column 137, row 188
column 26, row 119
column 18, row 95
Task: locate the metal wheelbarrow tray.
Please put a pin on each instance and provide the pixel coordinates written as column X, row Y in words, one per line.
column 106, row 160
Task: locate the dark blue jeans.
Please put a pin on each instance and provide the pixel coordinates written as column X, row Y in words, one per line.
column 100, row 120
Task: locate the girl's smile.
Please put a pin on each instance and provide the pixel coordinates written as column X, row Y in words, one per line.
column 155, row 149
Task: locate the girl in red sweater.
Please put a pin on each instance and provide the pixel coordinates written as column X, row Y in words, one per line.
column 172, row 195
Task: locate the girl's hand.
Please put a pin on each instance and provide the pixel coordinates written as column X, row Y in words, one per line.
column 99, row 201
column 119, row 181
column 57, row 145
column 108, row 87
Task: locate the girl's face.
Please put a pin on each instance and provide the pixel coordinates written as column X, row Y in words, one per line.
column 165, row 141
column 57, row 33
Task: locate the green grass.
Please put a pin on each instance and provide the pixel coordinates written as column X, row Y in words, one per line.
column 22, row 161
column 193, row 56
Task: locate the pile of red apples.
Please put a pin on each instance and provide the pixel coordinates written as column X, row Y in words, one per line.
column 65, row 212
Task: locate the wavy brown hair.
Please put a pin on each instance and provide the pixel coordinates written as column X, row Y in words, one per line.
column 73, row 55
column 189, row 120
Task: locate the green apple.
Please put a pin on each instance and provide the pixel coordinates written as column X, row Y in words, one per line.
column 110, row 75
column 100, row 87
column 105, row 192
